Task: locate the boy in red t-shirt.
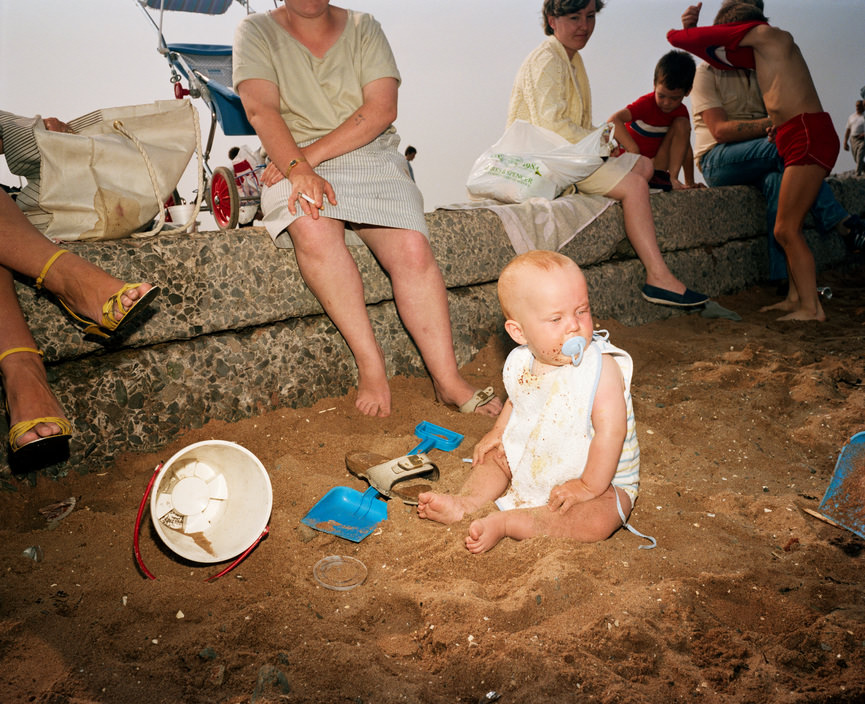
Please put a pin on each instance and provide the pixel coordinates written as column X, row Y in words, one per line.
column 657, row 124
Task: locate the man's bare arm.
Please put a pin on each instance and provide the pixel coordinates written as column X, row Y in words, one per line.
column 726, row 131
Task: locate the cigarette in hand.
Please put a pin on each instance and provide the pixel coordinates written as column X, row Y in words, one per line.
column 310, row 200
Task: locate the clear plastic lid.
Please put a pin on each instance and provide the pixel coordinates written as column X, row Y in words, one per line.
column 339, row 572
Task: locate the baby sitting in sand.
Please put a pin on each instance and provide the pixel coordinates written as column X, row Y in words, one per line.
column 562, row 458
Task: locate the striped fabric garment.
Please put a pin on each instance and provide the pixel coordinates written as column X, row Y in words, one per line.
column 372, row 187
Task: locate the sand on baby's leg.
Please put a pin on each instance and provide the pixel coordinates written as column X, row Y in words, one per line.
column 487, row 481
column 586, row 522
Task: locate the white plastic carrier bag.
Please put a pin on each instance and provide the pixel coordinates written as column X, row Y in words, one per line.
column 529, row 161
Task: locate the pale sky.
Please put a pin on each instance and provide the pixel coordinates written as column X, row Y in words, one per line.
column 457, row 58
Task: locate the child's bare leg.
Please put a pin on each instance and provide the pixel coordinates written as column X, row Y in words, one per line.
column 673, row 150
column 586, row 522
column 799, row 187
column 486, row 482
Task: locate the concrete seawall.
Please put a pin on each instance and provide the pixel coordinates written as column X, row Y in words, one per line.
column 237, row 333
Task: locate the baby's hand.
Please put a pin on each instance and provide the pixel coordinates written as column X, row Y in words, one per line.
column 562, row 497
column 491, row 442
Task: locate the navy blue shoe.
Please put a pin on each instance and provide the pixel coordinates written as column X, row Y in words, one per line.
column 663, row 297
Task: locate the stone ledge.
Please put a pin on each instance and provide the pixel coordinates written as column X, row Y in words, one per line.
column 237, row 332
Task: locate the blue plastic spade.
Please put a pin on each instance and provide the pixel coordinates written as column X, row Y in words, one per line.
column 347, row 513
column 844, row 501
column 350, row 514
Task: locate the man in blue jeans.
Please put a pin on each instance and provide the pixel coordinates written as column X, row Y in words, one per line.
column 731, row 148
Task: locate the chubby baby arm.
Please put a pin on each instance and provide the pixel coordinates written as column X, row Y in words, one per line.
column 610, row 422
column 492, row 441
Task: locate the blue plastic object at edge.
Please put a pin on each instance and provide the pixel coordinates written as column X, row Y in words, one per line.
column 839, row 503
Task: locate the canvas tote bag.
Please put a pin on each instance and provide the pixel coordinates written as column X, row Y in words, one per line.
column 111, row 176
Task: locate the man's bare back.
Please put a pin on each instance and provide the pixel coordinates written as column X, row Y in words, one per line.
column 784, row 78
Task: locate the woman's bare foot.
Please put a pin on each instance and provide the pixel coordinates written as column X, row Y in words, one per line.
column 442, row 508
column 29, row 396
column 373, row 390
column 485, row 533
column 457, row 392
column 86, row 288
column 373, row 400
column 127, row 300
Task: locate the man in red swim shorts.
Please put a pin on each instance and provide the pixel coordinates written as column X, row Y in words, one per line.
column 809, row 138
column 804, row 134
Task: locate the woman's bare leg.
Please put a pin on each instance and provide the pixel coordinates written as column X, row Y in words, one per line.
column 84, row 286
column 333, row 277
column 27, row 392
column 421, row 298
column 633, row 192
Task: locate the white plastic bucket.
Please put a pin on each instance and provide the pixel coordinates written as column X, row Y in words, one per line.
column 211, row 501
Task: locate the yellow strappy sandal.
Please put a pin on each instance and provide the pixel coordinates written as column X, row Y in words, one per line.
column 41, row 452
column 108, row 327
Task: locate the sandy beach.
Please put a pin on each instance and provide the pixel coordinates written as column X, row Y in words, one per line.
column 747, row 597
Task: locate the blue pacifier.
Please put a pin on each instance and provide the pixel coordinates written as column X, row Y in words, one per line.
column 574, row 349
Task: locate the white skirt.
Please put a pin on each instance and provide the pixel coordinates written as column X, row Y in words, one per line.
column 372, row 187
column 608, row 175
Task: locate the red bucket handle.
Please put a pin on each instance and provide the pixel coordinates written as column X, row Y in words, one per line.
column 137, row 549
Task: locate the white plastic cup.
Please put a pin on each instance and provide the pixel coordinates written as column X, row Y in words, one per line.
column 181, row 214
column 211, row 501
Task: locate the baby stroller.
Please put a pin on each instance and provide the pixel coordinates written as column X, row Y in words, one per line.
column 232, row 194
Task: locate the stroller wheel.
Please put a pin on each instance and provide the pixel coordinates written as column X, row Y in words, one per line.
column 224, row 198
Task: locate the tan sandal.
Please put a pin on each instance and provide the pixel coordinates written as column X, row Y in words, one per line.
column 41, row 452
column 479, row 398
column 108, row 327
column 383, row 473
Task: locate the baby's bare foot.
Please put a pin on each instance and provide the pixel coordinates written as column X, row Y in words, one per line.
column 485, row 533
column 442, row 508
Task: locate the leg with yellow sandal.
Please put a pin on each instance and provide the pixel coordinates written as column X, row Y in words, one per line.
column 38, row 429
column 101, row 302
column 39, row 432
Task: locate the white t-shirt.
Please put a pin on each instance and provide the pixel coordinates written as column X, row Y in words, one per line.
column 856, row 124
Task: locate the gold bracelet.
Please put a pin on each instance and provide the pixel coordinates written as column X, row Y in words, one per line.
column 292, row 164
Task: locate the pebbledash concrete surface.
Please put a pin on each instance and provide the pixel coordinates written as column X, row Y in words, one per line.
column 237, row 333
